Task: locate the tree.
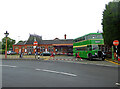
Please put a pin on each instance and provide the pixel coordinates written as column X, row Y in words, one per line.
column 111, row 23
column 20, row 41
column 0, row 45
column 10, row 42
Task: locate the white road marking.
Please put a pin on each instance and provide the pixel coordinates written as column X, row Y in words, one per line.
column 8, row 66
column 56, row 72
column 99, row 64
column 37, row 69
column 13, row 66
column 117, row 84
column 4, row 65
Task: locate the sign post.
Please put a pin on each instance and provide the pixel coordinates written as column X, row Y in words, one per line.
column 35, row 44
column 116, row 43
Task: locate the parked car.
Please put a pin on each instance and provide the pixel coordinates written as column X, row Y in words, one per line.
column 29, row 53
column 47, row 54
column 11, row 52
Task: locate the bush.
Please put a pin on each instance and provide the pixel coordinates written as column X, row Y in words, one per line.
column 2, row 51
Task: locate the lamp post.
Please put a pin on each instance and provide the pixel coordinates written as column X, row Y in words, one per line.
column 6, row 34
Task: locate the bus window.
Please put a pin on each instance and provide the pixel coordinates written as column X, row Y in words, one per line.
column 89, row 47
column 75, row 40
column 101, row 47
column 95, row 47
column 83, row 38
column 99, row 37
column 87, row 37
column 94, row 36
column 78, row 39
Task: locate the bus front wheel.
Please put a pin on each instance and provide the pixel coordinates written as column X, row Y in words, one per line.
column 90, row 56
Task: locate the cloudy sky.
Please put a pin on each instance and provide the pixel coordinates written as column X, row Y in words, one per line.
column 50, row 18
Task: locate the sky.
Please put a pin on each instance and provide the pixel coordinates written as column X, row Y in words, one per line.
column 50, row 18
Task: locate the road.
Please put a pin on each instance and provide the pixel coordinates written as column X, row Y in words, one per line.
column 48, row 73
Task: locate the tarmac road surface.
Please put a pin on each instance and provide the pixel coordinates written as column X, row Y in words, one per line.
column 48, row 73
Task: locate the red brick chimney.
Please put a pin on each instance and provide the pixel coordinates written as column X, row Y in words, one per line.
column 65, row 36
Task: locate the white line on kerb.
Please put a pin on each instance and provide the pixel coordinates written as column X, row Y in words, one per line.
column 8, row 65
column 57, row 72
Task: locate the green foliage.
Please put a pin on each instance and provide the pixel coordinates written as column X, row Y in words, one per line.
column 10, row 42
column 111, row 23
column 2, row 51
column 20, row 41
column 0, row 45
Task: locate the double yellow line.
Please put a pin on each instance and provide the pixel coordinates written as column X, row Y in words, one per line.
column 113, row 62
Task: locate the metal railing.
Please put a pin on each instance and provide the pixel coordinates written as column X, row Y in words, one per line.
column 24, row 57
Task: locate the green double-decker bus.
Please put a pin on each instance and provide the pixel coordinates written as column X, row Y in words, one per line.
column 89, row 46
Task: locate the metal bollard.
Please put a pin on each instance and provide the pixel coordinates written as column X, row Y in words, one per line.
column 38, row 56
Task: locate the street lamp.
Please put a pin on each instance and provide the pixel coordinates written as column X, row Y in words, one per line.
column 6, row 34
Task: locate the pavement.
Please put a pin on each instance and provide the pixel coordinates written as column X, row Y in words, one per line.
column 113, row 61
column 84, row 61
column 72, row 59
column 59, row 73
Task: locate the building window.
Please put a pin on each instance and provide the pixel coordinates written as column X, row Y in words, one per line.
column 16, row 47
column 30, row 49
column 42, row 49
column 81, row 49
column 50, row 48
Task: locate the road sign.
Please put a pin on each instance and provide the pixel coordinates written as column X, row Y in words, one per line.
column 116, row 42
column 35, row 43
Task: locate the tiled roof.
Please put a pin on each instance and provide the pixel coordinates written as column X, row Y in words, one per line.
column 67, row 41
column 31, row 39
column 40, row 41
column 21, row 43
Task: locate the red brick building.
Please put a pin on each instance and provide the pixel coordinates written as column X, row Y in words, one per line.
column 57, row 46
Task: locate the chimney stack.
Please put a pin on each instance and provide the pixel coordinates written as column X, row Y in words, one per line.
column 65, row 36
